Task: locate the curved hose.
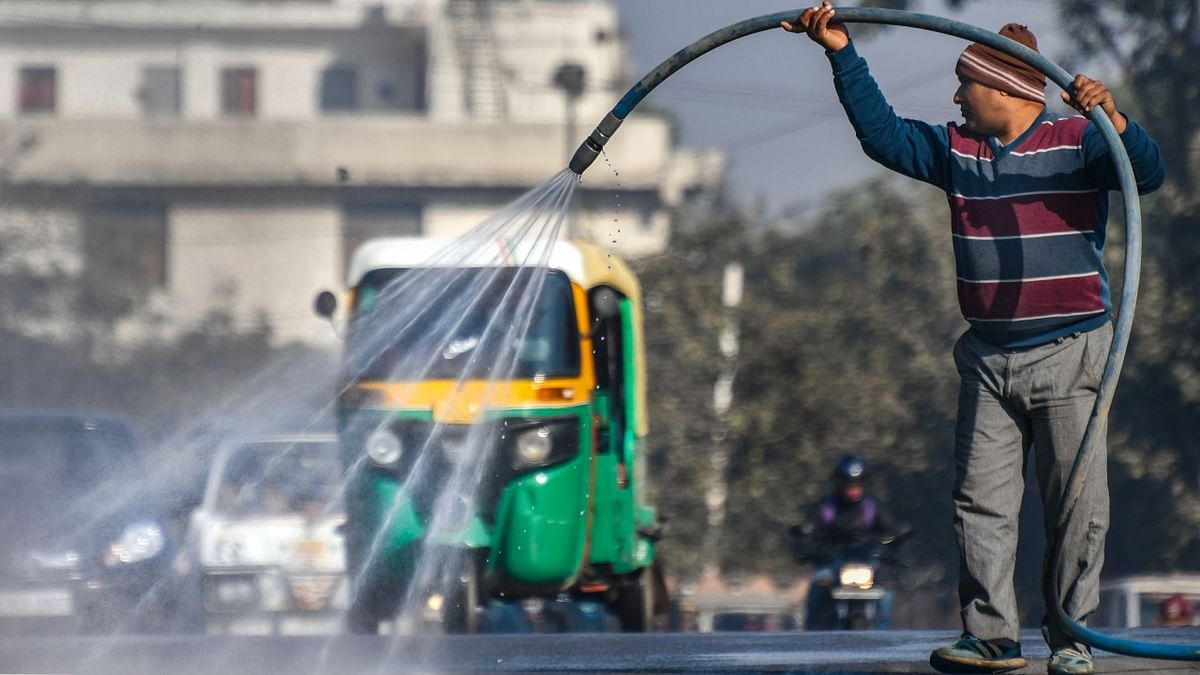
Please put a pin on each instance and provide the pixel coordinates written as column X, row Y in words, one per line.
column 591, row 147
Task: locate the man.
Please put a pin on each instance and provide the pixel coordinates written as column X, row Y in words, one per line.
column 847, row 518
column 1028, row 206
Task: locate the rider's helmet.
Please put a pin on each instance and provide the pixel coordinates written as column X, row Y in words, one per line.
column 850, row 475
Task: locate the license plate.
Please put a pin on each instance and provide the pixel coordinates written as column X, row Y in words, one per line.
column 857, row 594
column 309, row 548
column 312, row 593
column 311, row 624
column 51, row 602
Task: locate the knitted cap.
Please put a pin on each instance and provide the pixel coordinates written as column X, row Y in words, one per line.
column 994, row 68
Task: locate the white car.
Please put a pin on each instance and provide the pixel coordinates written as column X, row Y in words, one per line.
column 268, row 551
column 1136, row 601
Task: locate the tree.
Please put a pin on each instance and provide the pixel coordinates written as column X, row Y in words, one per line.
column 846, row 331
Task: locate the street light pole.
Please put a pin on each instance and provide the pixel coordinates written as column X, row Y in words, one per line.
column 571, row 78
column 718, row 489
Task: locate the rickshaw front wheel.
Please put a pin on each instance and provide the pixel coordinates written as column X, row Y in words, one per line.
column 463, row 609
column 637, row 600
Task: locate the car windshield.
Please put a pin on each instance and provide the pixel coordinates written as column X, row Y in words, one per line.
column 280, row 478
column 51, row 460
column 54, row 470
column 466, row 327
column 1153, row 612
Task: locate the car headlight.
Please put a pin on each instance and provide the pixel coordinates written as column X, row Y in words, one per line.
column 383, row 447
column 534, row 446
column 139, row 541
column 859, row 576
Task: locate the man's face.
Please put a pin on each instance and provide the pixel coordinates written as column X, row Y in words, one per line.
column 983, row 108
column 852, row 492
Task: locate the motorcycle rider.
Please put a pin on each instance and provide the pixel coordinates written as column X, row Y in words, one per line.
column 846, row 518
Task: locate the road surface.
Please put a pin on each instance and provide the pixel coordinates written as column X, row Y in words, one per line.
column 867, row 652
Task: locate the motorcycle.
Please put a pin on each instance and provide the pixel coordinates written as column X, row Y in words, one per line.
column 845, row 592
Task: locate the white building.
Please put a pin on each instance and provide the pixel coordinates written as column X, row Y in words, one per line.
column 181, row 156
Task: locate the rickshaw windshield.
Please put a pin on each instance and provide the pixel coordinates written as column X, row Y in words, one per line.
column 472, row 323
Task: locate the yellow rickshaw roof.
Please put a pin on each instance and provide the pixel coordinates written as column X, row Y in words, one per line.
column 583, row 263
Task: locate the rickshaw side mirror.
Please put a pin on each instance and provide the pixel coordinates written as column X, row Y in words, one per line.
column 325, row 304
column 606, row 304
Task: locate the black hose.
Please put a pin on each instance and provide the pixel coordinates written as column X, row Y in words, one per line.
column 591, row 147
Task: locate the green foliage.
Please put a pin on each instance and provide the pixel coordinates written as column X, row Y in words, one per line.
column 845, row 347
column 682, row 292
column 847, row 339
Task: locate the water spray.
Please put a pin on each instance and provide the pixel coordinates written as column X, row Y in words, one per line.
column 590, row 149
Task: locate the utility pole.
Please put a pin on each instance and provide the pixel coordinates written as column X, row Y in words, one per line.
column 571, row 78
column 715, row 496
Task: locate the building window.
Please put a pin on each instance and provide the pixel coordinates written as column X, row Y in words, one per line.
column 160, row 91
column 38, row 90
column 239, row 91
column 339, row 89
column 364, row 221
column 125, row 252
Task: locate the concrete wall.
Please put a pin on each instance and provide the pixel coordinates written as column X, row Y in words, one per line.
column 536, row 38
column 375, row 150
column 99, row 72
column 255, row 261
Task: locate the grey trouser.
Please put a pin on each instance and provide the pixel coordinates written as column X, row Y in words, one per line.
column 1009, row 400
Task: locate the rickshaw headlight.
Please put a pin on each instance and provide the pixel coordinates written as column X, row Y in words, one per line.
column 383, row 447
column 534, row 446
column 859, row 576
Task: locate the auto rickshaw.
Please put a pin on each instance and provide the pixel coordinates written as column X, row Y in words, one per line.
column 532, row 479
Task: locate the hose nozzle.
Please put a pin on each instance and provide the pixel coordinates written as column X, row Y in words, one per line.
column 584, row 156
column 591, row 147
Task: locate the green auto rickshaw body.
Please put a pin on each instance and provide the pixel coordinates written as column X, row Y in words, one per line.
column 577, row 522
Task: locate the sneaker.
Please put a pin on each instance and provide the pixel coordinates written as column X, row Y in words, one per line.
column 1070, row 661
column 972, row 655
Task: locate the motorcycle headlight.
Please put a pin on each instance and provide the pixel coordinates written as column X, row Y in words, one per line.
column 139, row 541
column 859, row 576
column 534, row 446
column 383, row 447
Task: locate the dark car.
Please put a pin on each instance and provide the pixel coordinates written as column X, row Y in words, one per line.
column 81, row 545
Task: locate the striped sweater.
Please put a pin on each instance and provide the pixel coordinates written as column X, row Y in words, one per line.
column 1027, row 219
